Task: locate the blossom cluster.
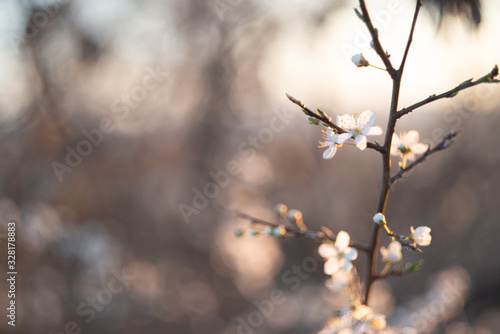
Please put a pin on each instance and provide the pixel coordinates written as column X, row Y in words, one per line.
column 405, row 145
column 357, row 128
column 339, row 257
column 357, row 318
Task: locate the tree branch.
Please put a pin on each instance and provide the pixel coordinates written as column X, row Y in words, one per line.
column 295, row 231
column 327, row 121
column 443, row 144
column 410, row 37
column 391, row 126
column 376, row 42
column 488, row 78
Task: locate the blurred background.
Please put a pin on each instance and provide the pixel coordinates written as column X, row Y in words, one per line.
column 127, row 125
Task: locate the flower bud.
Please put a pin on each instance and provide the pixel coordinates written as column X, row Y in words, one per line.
column 294, row 216
column 379, row 219
column 279, row 231
column 392, row 254
column 422, row 235
column 252, row 232
column 359, row 60
column 281, row 210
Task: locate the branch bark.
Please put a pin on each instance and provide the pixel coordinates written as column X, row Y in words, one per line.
column 488, row 78
column 326, row 120
column 396, row 76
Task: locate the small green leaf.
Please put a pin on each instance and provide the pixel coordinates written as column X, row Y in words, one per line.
column 466, row 82
column 412, row 267
column 313, row 120
column 322, row 113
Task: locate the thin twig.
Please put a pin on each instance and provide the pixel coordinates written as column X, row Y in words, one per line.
column 443, row 144
column 410, row 38
column 488, row 78
column 376, row 42
column 317, row 235
column 326, row 120
column 404, row 243
column 311, row 113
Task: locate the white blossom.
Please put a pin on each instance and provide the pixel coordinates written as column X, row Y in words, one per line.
column 340, row 255
column 358, row 128
column 422, row 235
column 407, row 145
column 392, row 253
column 331, row 141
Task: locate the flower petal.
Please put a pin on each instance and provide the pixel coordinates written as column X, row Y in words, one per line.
column 330, row 152
column 372, row 131
column 346, row 266
column 395, row 140
column 346, row 122
column 331, row 136
column 392, row 253
column 422, row 235
column 361, row 312
column 342, row 241
column 341, row 138
column 366, row 119
column 419, row 148
column 410, row 138
column 331, row 266
column 327, row 251
column 360, row 141
column 350, row 253
column 338, row 281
